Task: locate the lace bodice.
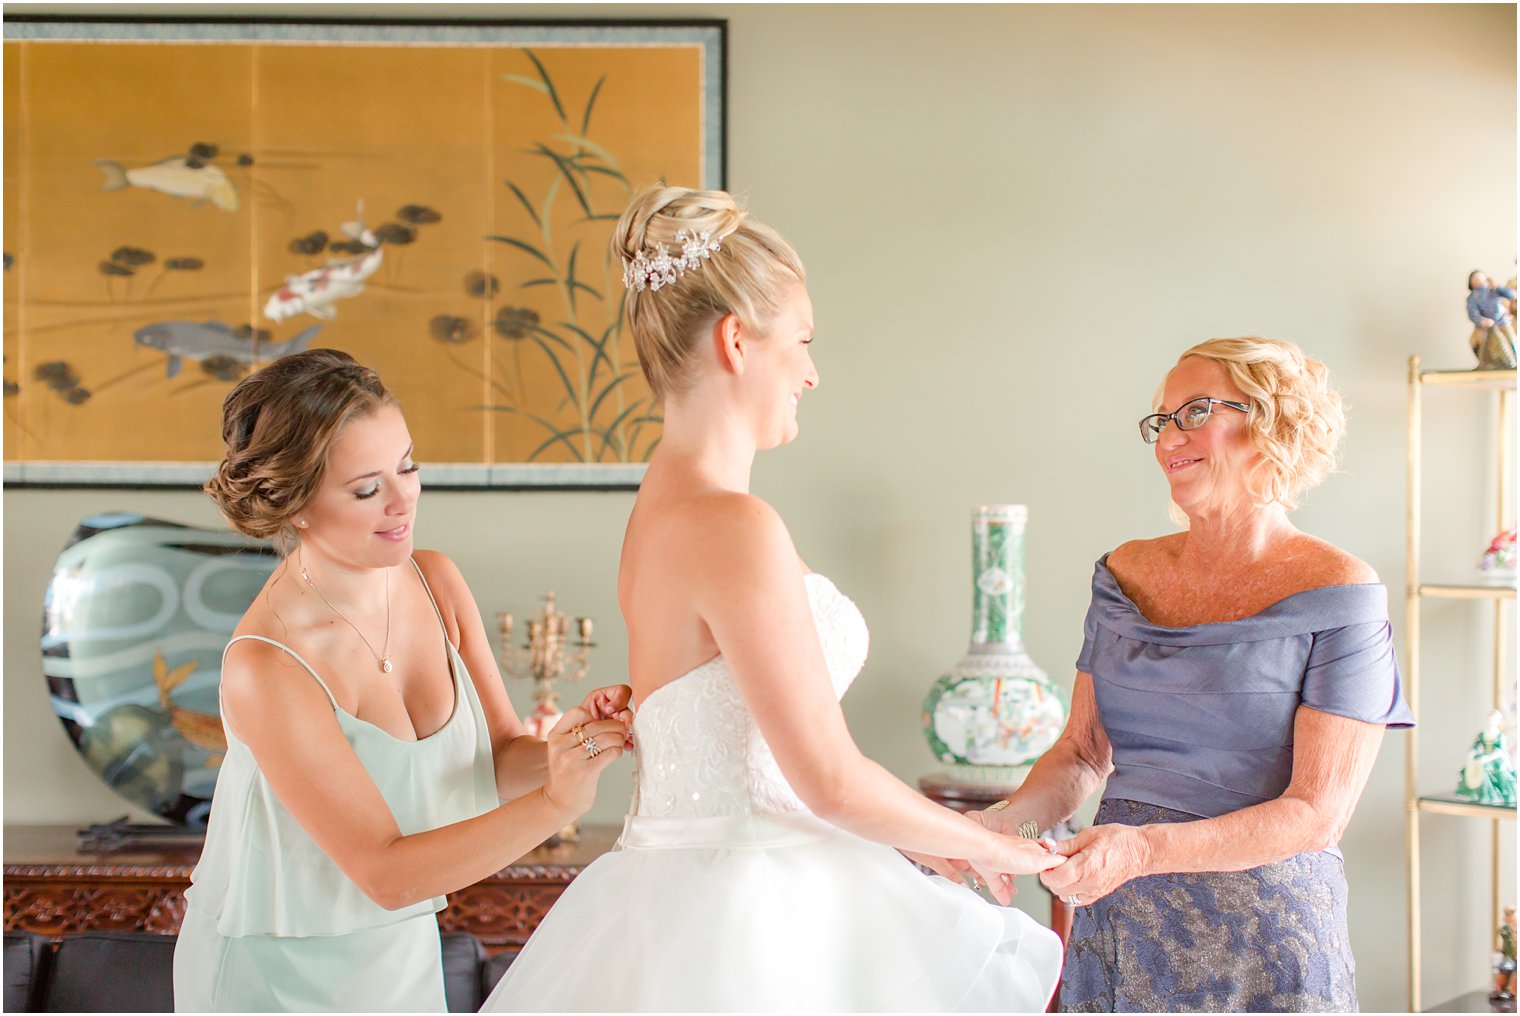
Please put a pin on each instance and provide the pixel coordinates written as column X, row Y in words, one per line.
column 700, row 751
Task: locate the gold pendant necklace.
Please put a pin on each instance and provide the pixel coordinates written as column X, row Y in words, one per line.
column 384, row 656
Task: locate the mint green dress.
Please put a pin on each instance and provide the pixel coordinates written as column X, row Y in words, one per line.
column 273, row 925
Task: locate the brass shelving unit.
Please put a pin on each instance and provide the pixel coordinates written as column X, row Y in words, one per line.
column 1501, row 385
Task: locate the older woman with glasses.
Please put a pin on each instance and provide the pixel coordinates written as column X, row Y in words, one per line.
column 1233, row 688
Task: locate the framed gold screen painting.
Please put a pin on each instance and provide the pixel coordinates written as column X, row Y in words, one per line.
column 186, row 200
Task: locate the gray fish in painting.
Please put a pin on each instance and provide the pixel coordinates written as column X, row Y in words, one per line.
column 196, row 340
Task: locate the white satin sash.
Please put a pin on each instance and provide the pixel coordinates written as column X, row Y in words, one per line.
column 788, row 829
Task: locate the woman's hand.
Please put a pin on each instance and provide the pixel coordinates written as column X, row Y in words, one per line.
column 612, row 703
column 949, row 867
column 574, row 765
column 1099, row 860
column 1014, row 855
column 998, row 821
column 1010, row 856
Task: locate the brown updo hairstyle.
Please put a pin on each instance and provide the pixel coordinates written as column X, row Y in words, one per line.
column 279, row 424
column 746, row 276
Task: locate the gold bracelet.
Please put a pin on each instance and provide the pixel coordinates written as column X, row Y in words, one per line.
column 1029, row 830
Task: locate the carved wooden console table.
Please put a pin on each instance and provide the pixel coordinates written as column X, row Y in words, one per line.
column 53, row 889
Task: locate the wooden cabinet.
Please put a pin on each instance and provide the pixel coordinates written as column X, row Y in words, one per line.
column 54, row 889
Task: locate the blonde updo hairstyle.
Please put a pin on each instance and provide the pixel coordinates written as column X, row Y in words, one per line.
column 747, row 276
column 279, row 424
column 1296, row 420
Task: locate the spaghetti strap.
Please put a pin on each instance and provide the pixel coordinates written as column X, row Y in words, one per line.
column 431, row 598
column 292, row 652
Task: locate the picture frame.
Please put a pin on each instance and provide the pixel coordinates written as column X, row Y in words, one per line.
column 187, row 198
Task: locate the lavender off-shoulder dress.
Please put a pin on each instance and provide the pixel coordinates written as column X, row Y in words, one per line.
column 1200, row 719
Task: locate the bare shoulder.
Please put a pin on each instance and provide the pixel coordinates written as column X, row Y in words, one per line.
column 732, row 524
column 437, row 566
column 265, row 683
column 450, row 591
column 732, row 547
column 1135, row 558
column 1319, row 563
column 733, row 508
column 442, row 576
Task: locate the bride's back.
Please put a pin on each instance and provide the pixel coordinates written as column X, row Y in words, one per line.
column 706, row 287
column 668, row 563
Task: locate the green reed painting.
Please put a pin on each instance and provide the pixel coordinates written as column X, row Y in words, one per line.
column 435, row 199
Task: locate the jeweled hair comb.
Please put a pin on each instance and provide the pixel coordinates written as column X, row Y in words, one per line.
column 663, row 269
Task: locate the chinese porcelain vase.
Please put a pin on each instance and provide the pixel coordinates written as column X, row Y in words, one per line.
column 996, row 711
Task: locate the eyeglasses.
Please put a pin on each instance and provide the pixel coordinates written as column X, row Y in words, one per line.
column 1190, row 416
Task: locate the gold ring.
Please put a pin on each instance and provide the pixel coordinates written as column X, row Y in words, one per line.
column 592, row 748
column 996, row 807
column 578, row 732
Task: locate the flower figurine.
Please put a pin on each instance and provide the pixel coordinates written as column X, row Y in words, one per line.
column 1499, row 558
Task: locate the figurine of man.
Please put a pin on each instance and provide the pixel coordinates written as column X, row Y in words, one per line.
column 1493, row 336
column 1489, row 775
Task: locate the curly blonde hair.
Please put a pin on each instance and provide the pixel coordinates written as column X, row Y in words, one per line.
column 1296, row 421
column 746, row 276
column 279, row 424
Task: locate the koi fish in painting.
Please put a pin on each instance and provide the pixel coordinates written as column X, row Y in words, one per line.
column 177, row 175
column 207, row 340
column 316, row 291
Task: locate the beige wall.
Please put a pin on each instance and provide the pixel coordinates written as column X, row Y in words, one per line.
column 1014, row 218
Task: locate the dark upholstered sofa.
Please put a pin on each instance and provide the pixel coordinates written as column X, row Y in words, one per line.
column 116, row 971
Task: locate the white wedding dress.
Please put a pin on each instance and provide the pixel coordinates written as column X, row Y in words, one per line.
column 726, row 894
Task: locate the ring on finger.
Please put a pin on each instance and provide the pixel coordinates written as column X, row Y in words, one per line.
column 592, row 748
column 1074, row 900
column 579, row 733
column 976, row 885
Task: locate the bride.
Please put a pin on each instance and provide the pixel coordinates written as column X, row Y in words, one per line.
column 756, row 869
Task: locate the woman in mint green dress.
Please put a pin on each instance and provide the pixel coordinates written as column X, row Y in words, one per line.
column 374, row 763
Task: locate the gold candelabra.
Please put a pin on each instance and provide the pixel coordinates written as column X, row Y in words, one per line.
column 548, row 655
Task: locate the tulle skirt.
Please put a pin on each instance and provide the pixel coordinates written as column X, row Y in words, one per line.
column 773, row 913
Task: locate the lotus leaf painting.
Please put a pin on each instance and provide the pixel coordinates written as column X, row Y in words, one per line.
column 185, row 201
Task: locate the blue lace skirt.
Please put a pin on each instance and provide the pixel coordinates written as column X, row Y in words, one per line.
column 1272, row 938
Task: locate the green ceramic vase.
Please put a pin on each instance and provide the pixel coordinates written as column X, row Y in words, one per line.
column 996, row 711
